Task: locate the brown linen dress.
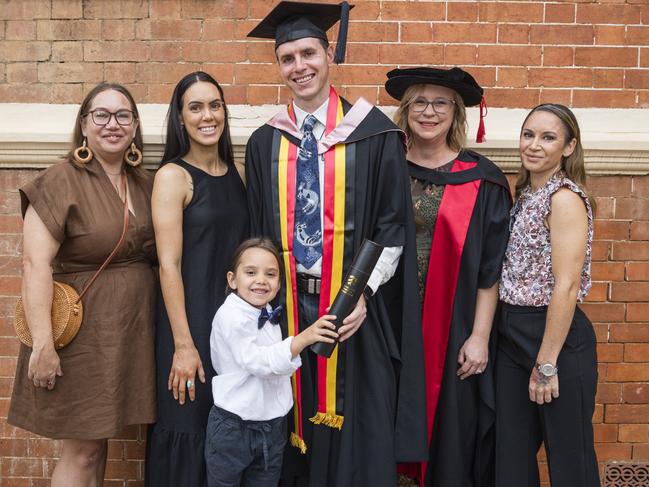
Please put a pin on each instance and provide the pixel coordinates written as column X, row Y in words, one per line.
column 109, row 370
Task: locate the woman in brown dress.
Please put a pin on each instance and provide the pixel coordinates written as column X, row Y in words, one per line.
column 104, row 379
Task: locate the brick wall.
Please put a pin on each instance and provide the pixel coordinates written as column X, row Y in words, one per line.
column 584, row 53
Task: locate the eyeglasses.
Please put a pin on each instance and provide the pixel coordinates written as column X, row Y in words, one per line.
column 102, row 117
column 440, row 105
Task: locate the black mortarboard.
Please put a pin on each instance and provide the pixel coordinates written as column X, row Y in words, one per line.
column 455, row 78
column 290, row 21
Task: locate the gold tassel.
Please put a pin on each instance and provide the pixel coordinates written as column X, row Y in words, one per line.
column 298, row 442
column 331, row 420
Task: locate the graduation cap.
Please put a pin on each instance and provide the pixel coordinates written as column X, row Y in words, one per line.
column 290, row 21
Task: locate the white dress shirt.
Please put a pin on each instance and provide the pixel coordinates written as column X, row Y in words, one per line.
column 389, row 259
column 253, row 365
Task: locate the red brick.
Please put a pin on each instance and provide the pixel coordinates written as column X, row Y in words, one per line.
column 562, row 34
column 635, row 393
column 120, row 72
column 375, row 32
column 549, row 95
column 608, row 271
column 65, row 51
column 21, row 467
column 165, row 9
column 43, row 447
column 214, row 51
column 17, row 482
column 413, row 11
column 631, row 208
column 512, row 77
column 598, row 292
column 509, row 55
column 510, row 12
column 235, row 94
column 609, row 393
column 461, row 54
column 20, row 30
column 168, row 29
column 637, row 312
column 606, row 56
column 255, row 73
column 634, row 433
column 135, row 450
column 513, row 34
column 159, row 93
column 11, row 51
column 25, row 9
column 636, row 352
column 116, row 51
column 559, row 13
column 627, row 413
column 636, row 35
column 630, row 291
column 67, row 9
column 464, row 32
column 609, row 185
column 224, row 9
column 397, row 53
column 163, row 72
column 11, row 447
column 68, row 30
column 604, row 312
column 603, row 99
column 22, row 73
column 415, row 32
column 70, row 72
column 264, row 52
column 115, row 450
column 556, row 77
column 463, row 11
column 644, row 57
column 69, row 92
column 641, row 452
column 165, row 51
column 218, row 30
column 607, row 14
column 641, row 186
column 613, row 35
column 605, row 208
column 353, row 93
column 637, row 79
column 358, row 53
column 558, row 56
column 123, row 469
column 116, row 9
column 637, row 271
column 512, row 97
column 640, row 230
column 598, row 416
column 631, row 332
column 612, row 229
column 118, row 30
column 21, row 93
column 608, row 78
column 613, row 451
column 610, row 352
column 605, row 433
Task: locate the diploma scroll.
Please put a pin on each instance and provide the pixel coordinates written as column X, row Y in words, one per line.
column 351, row 290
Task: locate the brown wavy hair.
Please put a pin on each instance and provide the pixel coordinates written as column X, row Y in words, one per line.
column 456, row 136
column 77, row 134
column 253, row 243
column 573, row 165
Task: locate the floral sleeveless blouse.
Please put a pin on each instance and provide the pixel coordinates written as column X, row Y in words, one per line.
column 527, row 278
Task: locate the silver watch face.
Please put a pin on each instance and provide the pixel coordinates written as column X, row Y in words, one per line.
column 547, row 370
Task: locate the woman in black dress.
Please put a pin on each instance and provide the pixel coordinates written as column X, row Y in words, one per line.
column 200, row 215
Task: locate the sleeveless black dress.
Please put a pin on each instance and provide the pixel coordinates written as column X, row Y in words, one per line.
column 215, row 222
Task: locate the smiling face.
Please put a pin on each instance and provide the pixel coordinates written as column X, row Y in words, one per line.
column 543, row 144
column 203, row 113
column 110, row 141
column 256, row 277
column 304, row 67
column 430, row 125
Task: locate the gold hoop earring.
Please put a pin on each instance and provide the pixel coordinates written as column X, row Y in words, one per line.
column 133, row 157
column 78, row 154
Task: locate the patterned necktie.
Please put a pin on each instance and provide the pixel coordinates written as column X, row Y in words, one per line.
column 307, row 241
column 265, row 316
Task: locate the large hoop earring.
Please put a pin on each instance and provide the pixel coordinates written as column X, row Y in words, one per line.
column 133, row 157
column 83, row 154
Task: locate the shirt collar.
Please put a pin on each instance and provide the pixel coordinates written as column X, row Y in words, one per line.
column 245, row 307
column 320, row 114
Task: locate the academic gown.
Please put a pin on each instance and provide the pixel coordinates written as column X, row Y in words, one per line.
column 462, row 442
column 384, row 359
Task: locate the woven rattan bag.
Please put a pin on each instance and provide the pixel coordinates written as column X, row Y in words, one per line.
column 67, row 308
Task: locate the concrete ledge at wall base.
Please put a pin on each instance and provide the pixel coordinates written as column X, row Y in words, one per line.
column 616, row 141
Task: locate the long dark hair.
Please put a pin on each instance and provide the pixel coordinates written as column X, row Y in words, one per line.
column 177, row 141
column 77, row 135
column 253, row 243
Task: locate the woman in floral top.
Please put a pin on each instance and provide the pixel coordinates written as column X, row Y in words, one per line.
column 461, row 202
column 546, row 374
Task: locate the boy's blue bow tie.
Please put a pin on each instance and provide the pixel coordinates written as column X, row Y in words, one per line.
column 265, row 316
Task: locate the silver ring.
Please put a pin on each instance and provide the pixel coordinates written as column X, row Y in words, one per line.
column 50, row 382
column 190, row 383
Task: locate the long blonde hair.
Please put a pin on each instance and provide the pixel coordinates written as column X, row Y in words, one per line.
column 573, row 165
column 456, row 136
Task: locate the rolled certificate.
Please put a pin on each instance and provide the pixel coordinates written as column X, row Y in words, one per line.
column 351, row 290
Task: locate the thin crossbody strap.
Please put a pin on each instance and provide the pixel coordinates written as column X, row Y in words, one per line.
column 119, row 243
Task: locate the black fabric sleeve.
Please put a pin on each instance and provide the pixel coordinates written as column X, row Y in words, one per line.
column 495, row 233
column 254, row 187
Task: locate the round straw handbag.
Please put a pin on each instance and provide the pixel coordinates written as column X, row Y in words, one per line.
column 67, row 308
column 67, row 313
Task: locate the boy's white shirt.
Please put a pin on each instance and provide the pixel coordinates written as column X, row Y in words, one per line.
column 253, row 365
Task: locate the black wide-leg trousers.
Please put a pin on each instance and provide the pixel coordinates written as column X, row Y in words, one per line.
column 565, row 424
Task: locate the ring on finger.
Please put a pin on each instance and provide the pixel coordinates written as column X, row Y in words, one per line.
column 190, row 383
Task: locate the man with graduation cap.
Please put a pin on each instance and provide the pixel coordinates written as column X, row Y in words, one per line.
column 322, row 176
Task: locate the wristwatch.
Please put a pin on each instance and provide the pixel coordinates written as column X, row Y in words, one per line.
column 547, row 370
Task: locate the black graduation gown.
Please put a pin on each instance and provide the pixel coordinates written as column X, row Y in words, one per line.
column 462, row 442
column 384, row 359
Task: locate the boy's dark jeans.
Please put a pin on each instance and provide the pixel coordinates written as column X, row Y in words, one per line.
column 243, row 453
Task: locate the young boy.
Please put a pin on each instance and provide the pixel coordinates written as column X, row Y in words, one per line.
column 246, row 430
